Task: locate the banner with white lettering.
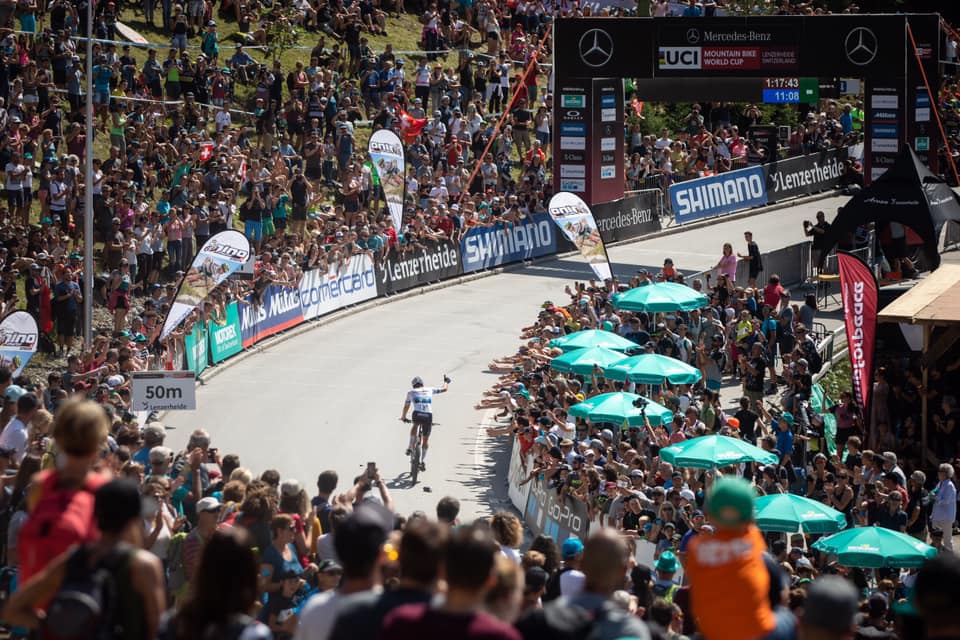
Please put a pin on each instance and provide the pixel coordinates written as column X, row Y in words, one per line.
column 339, row 286
column 18, row 341
column 432, row 262
column 275, row 309
column 386, row 153
column 218, row 258
column 502, row 243
column 858, row 292
column 575, row 219
column 558, row 518
column 631, row 217
column 718, row 195
column 804, row 175
column 224, row 334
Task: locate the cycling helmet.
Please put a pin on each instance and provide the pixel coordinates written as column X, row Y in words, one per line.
column 416, row 382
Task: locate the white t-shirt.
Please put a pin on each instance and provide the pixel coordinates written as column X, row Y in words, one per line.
column 318, row 616
column 223, row 120
column 422, row 399
column 13, row 184
column 15, row 438
column 571, row 583
column 97, row 186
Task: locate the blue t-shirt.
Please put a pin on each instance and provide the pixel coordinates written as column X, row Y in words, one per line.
column 63, row 288
column 784, row 442
column 846, row 121
column 280, row 565
column 101, row 77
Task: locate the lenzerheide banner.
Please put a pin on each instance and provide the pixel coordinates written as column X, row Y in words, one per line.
column 430, row 263
column 858, row 290
column 575, row 219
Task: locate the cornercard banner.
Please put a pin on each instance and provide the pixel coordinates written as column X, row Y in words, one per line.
column 339, row 286
column 858, row 290
column 430, row 263
column 218, row 258
column 575, row 219
column 386, row 152
column 18, row 341
column 486, row 247
column 718, row 195
column 631, row 217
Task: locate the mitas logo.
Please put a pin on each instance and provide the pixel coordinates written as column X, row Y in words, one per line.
column 386, row 147
column 237, row 254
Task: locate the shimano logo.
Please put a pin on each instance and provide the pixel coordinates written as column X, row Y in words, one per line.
column 732, row 191
column 498, row 243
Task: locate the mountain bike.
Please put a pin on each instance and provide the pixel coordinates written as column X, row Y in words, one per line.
column 415, row 452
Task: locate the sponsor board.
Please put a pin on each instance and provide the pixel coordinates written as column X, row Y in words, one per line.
column 921, row 143
column 570, row 129
column 573, row 101
column 884, row 131
column 163, row 391
column 571, row 143
column 608, row 172
column 608, row 100
column 558, row 518
column 718, row 195
column 400, row 271
column 340, row 286
column 573, row 171
column 485, row 247
column 608, row 144
column 921, row 114
column 608, row 115
column 885, row 145
column 573, row 156
column 196, row 347
column 630, row 217
column 606, row 157
column 277, row 308
column 884, row 101
column 225, row 339
column 579, row 186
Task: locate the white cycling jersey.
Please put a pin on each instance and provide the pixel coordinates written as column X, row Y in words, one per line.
column 422, row 398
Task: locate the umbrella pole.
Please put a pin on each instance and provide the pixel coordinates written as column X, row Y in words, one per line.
column 923, row 396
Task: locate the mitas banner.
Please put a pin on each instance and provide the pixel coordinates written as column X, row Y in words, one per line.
column 218, row 258
column 431, row 262
column 386, row 152
column 18, row 341
column 858, row 290
column 631, row 217
column 575, row 219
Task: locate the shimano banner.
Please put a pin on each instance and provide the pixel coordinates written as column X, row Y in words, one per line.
column 218, row 258
column 18, row 341
column 275, row 309
column 434, row 262
column 717, row 195
column 225, row 338
column 804, row 175
column 574, row 218
column 630, row 217
column 485, row 247
column 340, row 286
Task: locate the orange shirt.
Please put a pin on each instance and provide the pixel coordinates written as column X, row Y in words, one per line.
column 729, row 585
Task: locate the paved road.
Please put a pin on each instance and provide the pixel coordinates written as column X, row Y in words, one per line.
column 330, row 398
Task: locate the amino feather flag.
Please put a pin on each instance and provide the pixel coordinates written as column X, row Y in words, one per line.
column 858, row 291
column 575, row 219
column 410, row 126
column 386, row 153
column 19, row 337
column 218, row 258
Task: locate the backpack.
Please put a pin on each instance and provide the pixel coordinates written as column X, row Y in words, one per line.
column 87, row 604
column 552, row 591
column 667, row 592
column 176, row 571
column 61, row 518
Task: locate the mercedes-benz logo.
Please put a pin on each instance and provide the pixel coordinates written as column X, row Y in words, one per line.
column 861, row 46
column 693, row 35
column 596, row 48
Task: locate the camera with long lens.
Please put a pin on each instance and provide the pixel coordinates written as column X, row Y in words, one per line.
column 641, row 403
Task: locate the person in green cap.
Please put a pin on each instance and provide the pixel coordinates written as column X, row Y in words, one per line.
column 729, row 582
column 665, row 586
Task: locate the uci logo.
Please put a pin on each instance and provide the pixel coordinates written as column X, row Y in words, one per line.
column 679, row 58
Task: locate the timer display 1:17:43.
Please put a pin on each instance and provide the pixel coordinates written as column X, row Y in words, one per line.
column 781, row 83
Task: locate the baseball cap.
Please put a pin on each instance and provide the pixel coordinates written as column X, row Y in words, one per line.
column 804, row 563
column 831, row 605
column 688, row 495
column 207, row 504
column 730, row 503
column 329, row 566
column 290, row 487
column 535, row 578
column 572, row 547
column 607, row 434
column 667, row 562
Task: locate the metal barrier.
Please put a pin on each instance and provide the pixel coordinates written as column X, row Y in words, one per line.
column 951, row 235
column 791, row 264
column 662, row 202
column 832, row 349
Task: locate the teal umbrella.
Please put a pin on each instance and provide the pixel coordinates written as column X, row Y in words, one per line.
column 653, row 368
column 615, row 408
column 875, row 548
column 582, row 361
column 660, row 296
column 709, row 452
column 593, row 338
column 790, row 513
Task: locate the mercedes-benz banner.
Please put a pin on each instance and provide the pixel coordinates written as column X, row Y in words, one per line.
column 432, row 262
column 631, row 217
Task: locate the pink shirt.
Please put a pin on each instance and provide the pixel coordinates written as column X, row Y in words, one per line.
column 728, row 266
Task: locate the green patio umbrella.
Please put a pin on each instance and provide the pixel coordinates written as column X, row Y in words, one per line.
column 875, row 548
column 615, row 408
column 652, row 368
column 790, row 513
column 593, row 338
column 709, row 452
column 660, row 296
column 582, row 361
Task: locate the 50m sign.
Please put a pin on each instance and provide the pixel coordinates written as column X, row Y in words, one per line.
column 164, row 391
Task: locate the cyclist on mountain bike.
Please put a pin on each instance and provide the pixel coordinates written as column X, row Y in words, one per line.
column 422, row 400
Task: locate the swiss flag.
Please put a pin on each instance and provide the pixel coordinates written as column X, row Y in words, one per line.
column 410, row 127
column 206, row 151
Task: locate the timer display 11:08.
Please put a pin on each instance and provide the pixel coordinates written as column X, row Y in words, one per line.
column 781, row 96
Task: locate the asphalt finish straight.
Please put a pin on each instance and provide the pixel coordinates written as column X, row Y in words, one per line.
column 331, row 397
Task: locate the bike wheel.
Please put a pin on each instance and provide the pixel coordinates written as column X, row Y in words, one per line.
column 415, row 464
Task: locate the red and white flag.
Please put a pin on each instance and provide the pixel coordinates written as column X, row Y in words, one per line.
column 411, row 127
column 206, row 151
